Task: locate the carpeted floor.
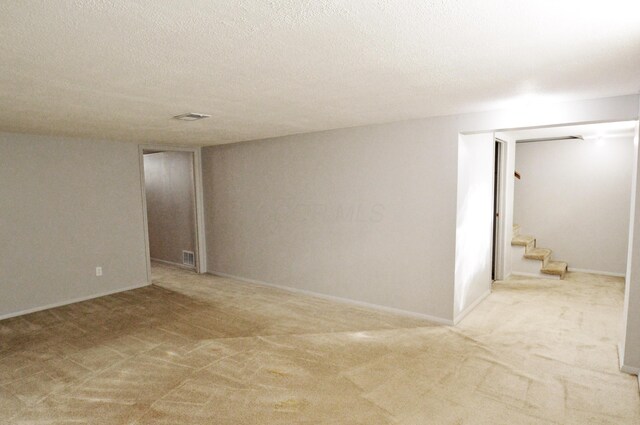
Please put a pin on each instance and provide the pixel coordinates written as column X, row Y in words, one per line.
column 206, row 350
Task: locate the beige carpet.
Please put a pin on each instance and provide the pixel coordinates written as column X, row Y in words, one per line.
column 205, row 350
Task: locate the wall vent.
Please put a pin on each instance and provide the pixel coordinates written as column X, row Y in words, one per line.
column 188, row 258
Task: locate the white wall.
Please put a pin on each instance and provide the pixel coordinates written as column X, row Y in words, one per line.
column 366, row 213
column 361, row 213
column 275, row 208
column 171, row 217
column 630, row 345
column 474, row 224
column 67, row 206
column 574, row 197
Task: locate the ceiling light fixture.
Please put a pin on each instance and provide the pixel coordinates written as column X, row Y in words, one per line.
column 192, row 116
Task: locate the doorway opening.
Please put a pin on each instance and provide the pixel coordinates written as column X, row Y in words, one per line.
column 570, row 212
column 578, row 216
column 172, row 200
column 572, row 202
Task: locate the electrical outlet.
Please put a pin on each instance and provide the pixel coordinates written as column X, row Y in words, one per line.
column 98, row 271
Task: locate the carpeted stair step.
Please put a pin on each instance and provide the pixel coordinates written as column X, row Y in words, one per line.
column 531, row 252
column 542, row 254
column 524, row 240
column 558, row 268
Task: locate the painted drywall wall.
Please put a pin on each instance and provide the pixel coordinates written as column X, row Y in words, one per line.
column 474, row 223
column 366, row 213
column 411, row 167
column 574, row 197
column 630, row 344
column 169, row 188
column 67, row 206
column 348, row 213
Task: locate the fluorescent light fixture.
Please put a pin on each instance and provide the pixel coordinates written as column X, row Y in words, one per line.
column 549, row 139
column 192, row 116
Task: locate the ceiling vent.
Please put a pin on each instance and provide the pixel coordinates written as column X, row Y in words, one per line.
column 549, row 139
column 192, row 116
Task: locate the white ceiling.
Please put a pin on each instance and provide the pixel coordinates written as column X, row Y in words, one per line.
column 120, row 69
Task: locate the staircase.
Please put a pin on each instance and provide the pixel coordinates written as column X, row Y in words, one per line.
column 548, row 268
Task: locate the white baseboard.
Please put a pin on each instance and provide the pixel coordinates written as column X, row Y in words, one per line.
column 600, row 272
column 433, row 319
column 620, row 359
column 71, row 301
column 171, row 263
column 471, row 306
column 537, row 276
column 630, row 370
column 624, row 368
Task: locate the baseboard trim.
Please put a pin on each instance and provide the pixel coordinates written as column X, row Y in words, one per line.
column 600, row 272
column 537, row 276
column 406, row 313
column 624, row 368
column 630, row 370
column 471, row 306
column 72, row 301
column 171, row 263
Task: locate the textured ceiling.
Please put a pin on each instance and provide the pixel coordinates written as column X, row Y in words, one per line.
column 122, row 69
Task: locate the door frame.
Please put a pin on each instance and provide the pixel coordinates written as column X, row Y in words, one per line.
column 499, row 206
column 201, row 255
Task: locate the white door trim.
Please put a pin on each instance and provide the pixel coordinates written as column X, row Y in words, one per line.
column 499, row 266
column 201, row 264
